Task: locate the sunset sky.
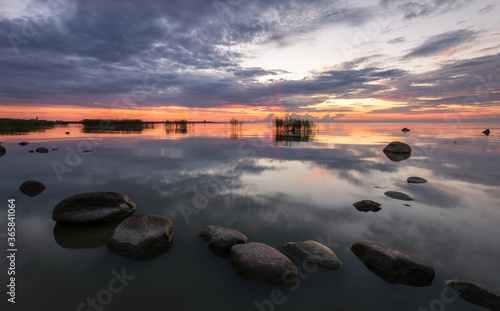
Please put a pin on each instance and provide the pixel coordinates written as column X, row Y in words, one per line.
column 385, row 60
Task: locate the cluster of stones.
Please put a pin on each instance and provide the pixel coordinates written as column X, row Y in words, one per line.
column 141, row 235
column 395, row 151
column 137, row 236
column 261, row 262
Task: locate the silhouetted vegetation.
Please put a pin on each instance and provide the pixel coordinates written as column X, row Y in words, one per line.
column 178, row 126
column 21, row 126
column 236, row 132
column 234, row 121
column 124, row 125
column 291, row 130
column 293, row 126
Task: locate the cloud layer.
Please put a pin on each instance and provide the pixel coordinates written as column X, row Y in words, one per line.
column 191, row 54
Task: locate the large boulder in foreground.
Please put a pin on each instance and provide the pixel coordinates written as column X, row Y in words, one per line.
column 367, row 206
column 219, row 239
column 3, row 151
column 141, row 235
column 314, row 252
column 32, row 188
column 93, row 207
column 476, row 294
column 262, row 263
column 397, row 151
column 394, row 265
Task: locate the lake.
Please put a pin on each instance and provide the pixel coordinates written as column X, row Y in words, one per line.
column 274, row 190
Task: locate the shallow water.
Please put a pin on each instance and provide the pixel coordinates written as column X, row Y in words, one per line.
column 272, row 191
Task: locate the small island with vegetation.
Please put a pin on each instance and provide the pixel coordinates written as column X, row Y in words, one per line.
column 123, row 125
column 22, row 126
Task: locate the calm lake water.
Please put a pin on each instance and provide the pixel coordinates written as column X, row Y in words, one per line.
column 272, row 190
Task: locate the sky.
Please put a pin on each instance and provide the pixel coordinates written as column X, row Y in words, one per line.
column 332, row 61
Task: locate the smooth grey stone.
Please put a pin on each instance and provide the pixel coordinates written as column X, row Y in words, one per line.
column 219, row 239
column 42, row 150
column 398, row 195
column 394, row 265
column 262, row 263
column 397, row 147
column 476, row 294
column 314, row 252
column 93, row 207
column 367, row 206
column 141, row 235
column 416, row 180
column 32, row 188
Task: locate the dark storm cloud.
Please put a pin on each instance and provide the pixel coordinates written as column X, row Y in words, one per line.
column 94, row 51
column 182, row 53
column 474, row 82
column 441, row 42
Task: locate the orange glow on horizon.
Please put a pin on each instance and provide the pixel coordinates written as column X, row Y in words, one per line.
column 243, row 113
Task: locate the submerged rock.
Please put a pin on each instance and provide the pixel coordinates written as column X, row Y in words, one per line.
column 486, row 132
column 476, row 294
column 32, row 188
column 405, row 130
column 219, row 239
column 314, row 252
column 42, row 150
column 93, row 207
column 398, row 195
column 23, row 143
column 3, row 151
column 367, row 206
column 397, row 151
column 141, row 235
column 416, row 180
column 394, row 265
column 31, row 151
column 262, row 263
column 67, row 133
column 89, row 236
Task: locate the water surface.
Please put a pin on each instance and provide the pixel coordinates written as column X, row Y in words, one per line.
column 272, row 190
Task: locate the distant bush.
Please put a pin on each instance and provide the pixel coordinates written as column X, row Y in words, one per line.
column 292, row 126
column 115, row 124
column 179, row 126
column 21, row 125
